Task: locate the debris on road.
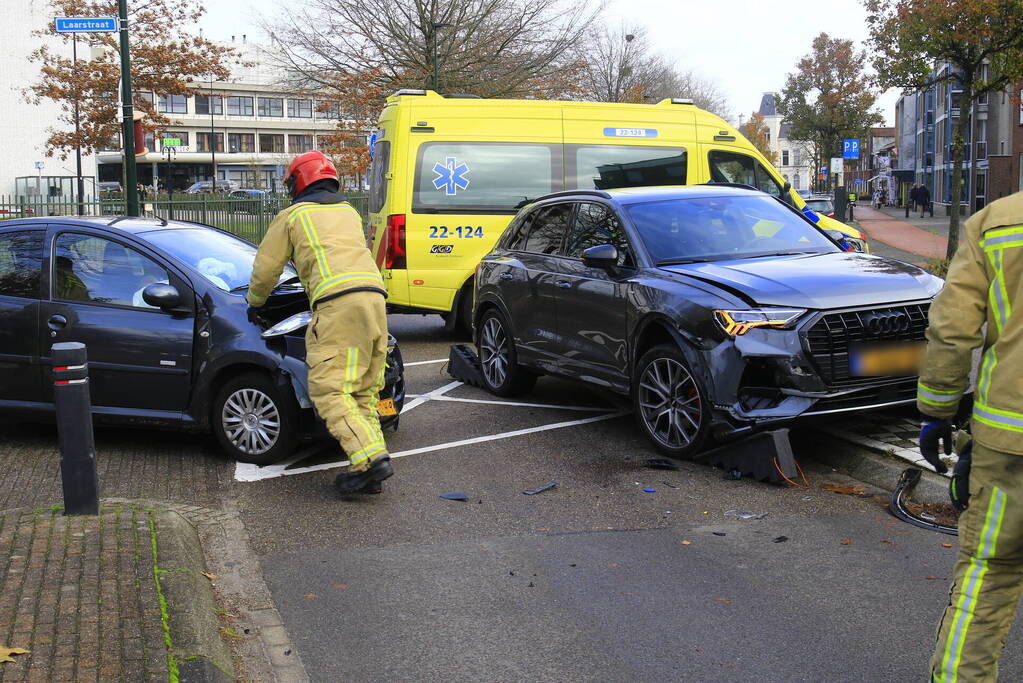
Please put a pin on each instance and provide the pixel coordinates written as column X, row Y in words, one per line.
column 6, row 652
column 765, row 456
column 846, row 541
column 661, row 464
column 780, row 539
column 847, row 490
column 744, row 514
column 901, row 508
column 685, row 542
column 670, row 485
column 649, row 490
column 541, row 489
column 732, row 475
column 454, row 495
column 718, row 533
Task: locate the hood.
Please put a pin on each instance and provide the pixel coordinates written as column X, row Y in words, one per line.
column 818, row 281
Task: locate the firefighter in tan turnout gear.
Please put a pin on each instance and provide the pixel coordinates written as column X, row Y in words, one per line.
column 984, row 285
column 346, row 341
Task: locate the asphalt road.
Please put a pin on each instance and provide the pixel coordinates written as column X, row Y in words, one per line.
column 594, row 579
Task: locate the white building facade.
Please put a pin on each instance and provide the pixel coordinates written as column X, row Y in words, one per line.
column 793, row 161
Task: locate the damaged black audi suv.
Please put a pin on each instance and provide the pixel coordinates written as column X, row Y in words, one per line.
column 718, row 309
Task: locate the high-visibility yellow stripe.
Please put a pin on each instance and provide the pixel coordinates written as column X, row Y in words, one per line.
column 339, row 279
column 314, row 242
column 997, row 417
column 937, row 397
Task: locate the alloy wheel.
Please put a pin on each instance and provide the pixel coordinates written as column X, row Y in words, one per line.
column 494, row 352
column 251, row 421
column 670, row 403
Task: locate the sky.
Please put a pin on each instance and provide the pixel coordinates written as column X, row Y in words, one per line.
column 746, row 46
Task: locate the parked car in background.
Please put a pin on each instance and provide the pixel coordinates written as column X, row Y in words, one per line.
column 108, row 186
column 206, row 187
column 254, row 201
column 821, row 204
column 161, row 307
column 805, row 193
column 718, row 309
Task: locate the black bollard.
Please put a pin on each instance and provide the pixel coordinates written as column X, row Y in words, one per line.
column 74, row 429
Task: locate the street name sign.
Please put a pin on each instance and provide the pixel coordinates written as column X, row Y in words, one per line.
column 85, row 24
column 850, row 148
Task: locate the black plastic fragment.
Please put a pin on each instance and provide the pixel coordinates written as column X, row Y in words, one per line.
column 540, row 489
column 454, row 495
column 765, row 456
column 661, row 464
column 780, row 539
column 464, row 365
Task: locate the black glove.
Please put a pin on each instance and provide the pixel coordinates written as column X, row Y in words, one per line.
column 959, row 487
column 933, row 430
column 255, row 316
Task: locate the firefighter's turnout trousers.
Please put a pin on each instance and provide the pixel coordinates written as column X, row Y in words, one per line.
column 346, row 350
column 988, row 573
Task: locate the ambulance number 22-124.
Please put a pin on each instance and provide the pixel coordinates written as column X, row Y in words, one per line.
column 443, row 232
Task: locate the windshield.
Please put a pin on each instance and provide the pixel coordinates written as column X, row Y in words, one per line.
column 722, row 228
column 223, row 259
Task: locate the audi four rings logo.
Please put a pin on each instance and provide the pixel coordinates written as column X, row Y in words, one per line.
column 886, row 323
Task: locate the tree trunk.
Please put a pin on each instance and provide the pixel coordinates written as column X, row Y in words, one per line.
column 958, row 142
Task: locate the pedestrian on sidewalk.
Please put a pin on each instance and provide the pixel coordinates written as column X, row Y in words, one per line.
column 984, row 283
column 924, row 198
column 914, row 196
column 346, row 340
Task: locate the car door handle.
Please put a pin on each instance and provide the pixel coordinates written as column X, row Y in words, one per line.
column 564, row 284
column 507, row 276
column 56, row 322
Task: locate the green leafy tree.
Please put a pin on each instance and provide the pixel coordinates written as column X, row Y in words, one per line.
column 980, row 40
column 829, row 97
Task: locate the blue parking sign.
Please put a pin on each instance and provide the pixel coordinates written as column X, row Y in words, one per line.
column 850, row 148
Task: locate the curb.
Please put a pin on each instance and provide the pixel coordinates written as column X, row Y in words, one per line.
column 190, row 617
column 876, row 469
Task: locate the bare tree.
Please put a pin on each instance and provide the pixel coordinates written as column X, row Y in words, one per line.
column 622, row 68
column 491, row 48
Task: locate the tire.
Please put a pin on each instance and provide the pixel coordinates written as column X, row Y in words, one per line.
column 499, row 368
column 670, row 404
column 249, row 401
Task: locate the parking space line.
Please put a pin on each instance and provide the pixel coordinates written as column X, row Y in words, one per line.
column 425, row 362
column 246, row 472
column 423, row 398
column 516, row 404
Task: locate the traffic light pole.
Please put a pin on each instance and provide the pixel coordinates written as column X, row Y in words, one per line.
column 131, row 190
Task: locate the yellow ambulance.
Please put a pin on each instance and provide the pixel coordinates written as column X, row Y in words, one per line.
column 449, row 173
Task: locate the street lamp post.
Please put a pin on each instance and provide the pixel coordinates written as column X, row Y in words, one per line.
column 79, row 181
column 436, row 68
column 131, row 190
column 213, row 140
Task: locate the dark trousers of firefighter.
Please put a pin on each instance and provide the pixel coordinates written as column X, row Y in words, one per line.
column 988, row 572
column 346, row 350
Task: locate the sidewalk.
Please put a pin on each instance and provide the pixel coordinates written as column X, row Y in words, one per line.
column 93, row 598
column 924, row 237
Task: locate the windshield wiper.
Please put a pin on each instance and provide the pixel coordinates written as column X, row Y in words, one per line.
column 779, row 253
column 290, row 281
column 239, row 288
column 681, row 261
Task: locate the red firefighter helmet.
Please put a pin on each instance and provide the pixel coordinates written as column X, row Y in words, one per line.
column 306, row 168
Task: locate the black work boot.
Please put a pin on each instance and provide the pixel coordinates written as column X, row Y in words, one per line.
column 381, row 468
column 367, row 481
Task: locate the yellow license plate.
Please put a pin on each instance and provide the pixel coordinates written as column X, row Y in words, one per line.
column 890, row 359
column 386, row 407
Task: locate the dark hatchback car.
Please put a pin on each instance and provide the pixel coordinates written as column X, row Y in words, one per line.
column 161, row 309
column 718, row 309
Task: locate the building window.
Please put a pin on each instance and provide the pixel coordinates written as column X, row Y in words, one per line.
column 202, row 141
column 204, row 102
column 299, row 143
column 785, row 158
column 146, row 97
column 239, row 106
column 271, row 106
column 173, row 104
column 271, row 144
column 183, row 136
column 327, row 110
column 795, row 158
column 300, row 109
column 241, row 142
column 111, row 144
column 795, row 182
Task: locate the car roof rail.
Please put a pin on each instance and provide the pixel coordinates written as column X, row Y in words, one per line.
column 163, row 221
column 568, row 193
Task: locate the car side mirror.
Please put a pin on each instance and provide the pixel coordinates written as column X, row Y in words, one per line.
column 161, row 295
column 786, row 192
column 603, row 256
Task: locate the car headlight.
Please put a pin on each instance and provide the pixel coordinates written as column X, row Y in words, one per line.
column 855, row 244
column 736, row 323
column 295, row 322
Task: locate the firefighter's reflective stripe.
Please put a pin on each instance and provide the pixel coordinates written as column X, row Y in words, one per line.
column 938, row 397
column 997, row 417
column 330, row 283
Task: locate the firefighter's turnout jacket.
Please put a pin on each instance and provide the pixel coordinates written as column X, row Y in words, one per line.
column 983, row 285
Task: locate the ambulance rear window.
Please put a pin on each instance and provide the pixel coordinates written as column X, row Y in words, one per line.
column 489, row 177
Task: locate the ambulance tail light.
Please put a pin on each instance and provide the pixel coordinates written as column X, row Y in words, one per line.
column 396, row 242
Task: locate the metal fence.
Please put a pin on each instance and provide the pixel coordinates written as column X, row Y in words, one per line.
column 248, row 218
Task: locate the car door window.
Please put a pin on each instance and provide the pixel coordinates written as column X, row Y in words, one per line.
column 97, row 270
column 731, row 167
column 548, row 229
column 596, row 224
column 21, row 257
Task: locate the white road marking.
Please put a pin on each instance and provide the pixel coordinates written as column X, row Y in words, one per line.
column 588, row 409
column 248, row 472
column 425, row 362
column 423, row 398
